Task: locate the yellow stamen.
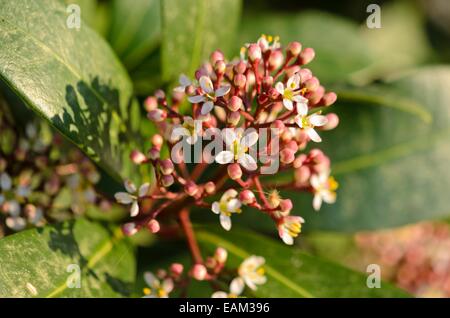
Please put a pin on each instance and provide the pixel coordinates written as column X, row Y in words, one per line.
column 147, row 291
column 333, row 185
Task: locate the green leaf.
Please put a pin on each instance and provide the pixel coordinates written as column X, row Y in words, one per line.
column 391, row 164
column 71, row 78
column 41, row 258
column 341, row 51
column 192, row 29
column 291, row 272
column 135, row 29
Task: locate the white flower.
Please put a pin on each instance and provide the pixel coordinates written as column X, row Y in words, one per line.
column 289, row 228
column 291, row 92
column 132, row 195
column 265, row 42
column 307, row 123
column 236, row 288
column 252, row 271
column 227, row 205
column 208, row 95
column 324, row 189
column 157, row 289
column 16, row 223
column 238, row 146
column 5, row 181
column 184, row 82
column 190, row 128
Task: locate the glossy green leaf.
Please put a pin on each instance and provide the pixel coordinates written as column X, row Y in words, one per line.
column 135, row 29
column 192, row 29
column 392, row 165
column 71, row 78
column 291, row 272
column 43, row 262
column 341, row 51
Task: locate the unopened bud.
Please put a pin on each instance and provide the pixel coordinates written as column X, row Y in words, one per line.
column 191, row 188
column 247, row 197
column 294, row 48
column 160, row 95
column 233, row 118
column 235, row 103
column 333, row 121
column 137, row 157
column 150, row 103
column 240, row 67
column 210, row 187
column 157, row 115
column 254, row 52
column 216, row 56
column 176, row 269
column 306, row 56
column 312, row 84
column 305, row 74
column 153, row 226
column 166, row 166
column 234, row 171
column 221, row 255
column 287, row 156
column 276, row 59
column 157, row 141
column 267, row 82
column 328, row 99
column 167, row 180
column 286, row 205
column 240, row 80
column 220, row 67
column 129, row 229
column 199, row 272
column 154, row 153
column 277, row 127
column 302, row 174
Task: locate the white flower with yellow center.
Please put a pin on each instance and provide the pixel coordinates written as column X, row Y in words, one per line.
column 291, row 92
column 227, row 205
column 236, row 288
column 190, row 128
column 157, row 288
column 132, row 196
column 238, row 146
column 208, row 96
column 324, row 187
column 289, row 228
column 252, row 271
column 307, row 123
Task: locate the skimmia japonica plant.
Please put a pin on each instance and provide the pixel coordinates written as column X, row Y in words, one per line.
column 224, row 134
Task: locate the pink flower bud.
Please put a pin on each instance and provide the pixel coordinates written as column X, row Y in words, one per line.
column 157, row 141
column 329, row 99
column 191, row 188
column 276, row 60
column 291, row 70
column 278, row 127
column 240, row 80
column 267, row 82
column 292, row 144
column 160, row 95
column 294, row 49
column 287, row 156
column 315, row 96
column 157, row 115
column 312, row 84
column 302, row 174
column 216, row 56
column 240, row 67
column 220, row 67
column 234, row 171
column 166, row 166
column 247, row 197
column 129, row 229
column 251, row 79
column 154, row 153
column 333, row 121
column 305, row 74
column 286, row 205
column 273, row 93
column 298, row 162
column 210, row 187
column 233, row 118
column 150, row 103
column 306, row 56
column 167, row 180
column 254, row 52
column 153, row 226
column 235, row 103
column 199, row 272
column 137, row 157
column 221, row 255
column 176, row 269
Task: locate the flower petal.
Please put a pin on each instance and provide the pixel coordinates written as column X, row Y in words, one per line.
column 184, row 80
column 222, row 91
column 129, row 186
column 224, row 157
column 150, row 279
column 249, row 139
column 229, row 194
column 215, row 207
column 207, row 107
column 196, row 99
column 288, row 104
column 237, row 286
column 293, row 82
column 233, row 205
column 287, row 239
column 219, row 294
column 279, row 87
column 123, row 197
column 134, row 210
column 247, row 161
column 225, row 221
column 229, row 136
column 317, row 202
column 318, row 120
column 167, row 285
column 206, row 84
column 143, row 189
column 329, row 197
column 313, row 135
column 302, row 109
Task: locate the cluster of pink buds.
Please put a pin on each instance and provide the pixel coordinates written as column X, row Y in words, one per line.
column 221, row 132
column 250, row 273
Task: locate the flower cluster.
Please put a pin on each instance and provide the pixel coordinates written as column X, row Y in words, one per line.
column 40, row 179
column 250, row 273
column 260, row 112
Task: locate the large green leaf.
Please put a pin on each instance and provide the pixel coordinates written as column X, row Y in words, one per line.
column 192, row 29
column 392, row 165
column 341, row 52
column 135, row 29
column 40, row 262
column 71, row 78
column 291, row 272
